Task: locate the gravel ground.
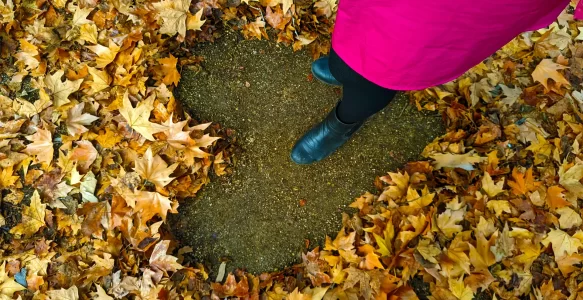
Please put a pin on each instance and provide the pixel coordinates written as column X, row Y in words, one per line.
column 254, row 218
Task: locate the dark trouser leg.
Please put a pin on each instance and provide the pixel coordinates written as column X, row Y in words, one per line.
column 361, row 98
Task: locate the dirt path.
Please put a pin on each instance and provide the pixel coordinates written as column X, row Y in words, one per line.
column 254, row 217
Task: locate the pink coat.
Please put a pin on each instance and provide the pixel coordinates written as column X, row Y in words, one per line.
column 412, row 45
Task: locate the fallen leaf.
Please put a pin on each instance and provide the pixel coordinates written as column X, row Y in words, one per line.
column 138, row 117
column 546, row 70
column 464, row 161
column 33, row 217
column 76, row 119
column 563, row 244
column 60, row 90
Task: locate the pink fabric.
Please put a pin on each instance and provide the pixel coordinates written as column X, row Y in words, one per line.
column 415, row 44
column 579, row 11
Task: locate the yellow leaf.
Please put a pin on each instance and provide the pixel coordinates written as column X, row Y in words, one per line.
column 499, row 206
column 416, row 201
column 28, row 55
column 60, row 90
column 138, row 118
column 168, row 65
column 541, row 149
column 101, row 80
column 154, row 169
column 76, row 119
column 105, row 55
column 490, row 188
column 546, row 70
column 88, row 33
column 173, row 14
column 195, row 22
column 42, row 145
column 459, row 290
column 447, row 221
column 569, row 218
column 287, row 5
column 33, row 217
column 428, row 250
column 7, row 178
column 71, row 293
column 463, row 161
column 563, row 244
column 371, row 260
column 162, row 261
column 570, row 179
column 100, row 294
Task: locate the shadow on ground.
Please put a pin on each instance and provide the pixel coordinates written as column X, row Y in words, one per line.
column 254, row 217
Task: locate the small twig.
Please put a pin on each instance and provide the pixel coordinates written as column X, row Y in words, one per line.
column 403, row 110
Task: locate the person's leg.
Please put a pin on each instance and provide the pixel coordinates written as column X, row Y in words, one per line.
column 361, row 99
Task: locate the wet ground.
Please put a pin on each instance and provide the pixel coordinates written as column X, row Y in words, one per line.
column 254, row 217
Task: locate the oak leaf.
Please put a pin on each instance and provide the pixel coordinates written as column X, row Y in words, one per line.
column 138, row 117
column 546, row 70
column 154, row 169
column 33, row 217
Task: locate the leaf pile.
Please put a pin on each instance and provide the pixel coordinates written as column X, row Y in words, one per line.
column 95, row 152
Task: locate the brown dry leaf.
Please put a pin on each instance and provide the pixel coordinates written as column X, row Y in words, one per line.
column 60, row 90
column 154, row 169
column 276, row 18
column 94, row 213
column 546, row 70
column 33, row 217
column 231, row 287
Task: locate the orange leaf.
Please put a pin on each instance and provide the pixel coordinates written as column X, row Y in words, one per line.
column 371, row 260
column 546, row 70
column 168, row 65
column 555, row 197
column 522, row 185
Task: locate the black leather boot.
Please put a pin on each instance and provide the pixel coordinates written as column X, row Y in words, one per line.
column 321, row 70
column 323, row 139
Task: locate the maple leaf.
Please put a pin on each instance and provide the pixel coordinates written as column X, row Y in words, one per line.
column 428, row 250
column 100, row 294
column 371, row 260
column 88, row 33
column 286, row 4
column 546, row 70
column 555, row 197
column 173, row 14
column 151, row 204
column 8, row 286
column 570, row 179
column 85, row 154
column 71, row 293
column 499, row 206
column 60, row 90
column 101, row 80
column 138, row 118
column 522, row 185
column 541, row 149
column 567, row 262
column 33, row 217
column 194, row 22
column 563, row 244
column 28, row 56
column 464, row 161
column 42, row 145
column 296, row 295
column 76, row 119
column 490, row 188
column 569, row 218
column 459, row 290
column 276, row 18
column 168, row 65
column 232, row 288
column 358, row 276
column 105, row 55
column 447, row 221
column 154, row 169
column 7, row 179
column 162, row 261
